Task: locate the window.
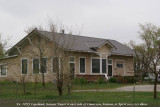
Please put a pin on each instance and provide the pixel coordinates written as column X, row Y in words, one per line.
column 3, row 70
column 71, row 59
column 55, row 64
column 95, row 65
column 44, row 65
column 82, row 65
column 119, row 65
column 24, row 66
column 104, row 66
column 109, row 67
column 110, row 62
column 35, row 66
column 72, row 66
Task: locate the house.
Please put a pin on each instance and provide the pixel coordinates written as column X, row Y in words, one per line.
column 89, row 57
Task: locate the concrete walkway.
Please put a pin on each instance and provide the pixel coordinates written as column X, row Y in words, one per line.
column 140, row 88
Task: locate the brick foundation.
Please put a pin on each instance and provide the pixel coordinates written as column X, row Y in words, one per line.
column 90, row 77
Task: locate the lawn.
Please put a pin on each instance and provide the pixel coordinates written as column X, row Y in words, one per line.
column 49, row 94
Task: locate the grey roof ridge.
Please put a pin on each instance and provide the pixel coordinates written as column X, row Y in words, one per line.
column 76, row 35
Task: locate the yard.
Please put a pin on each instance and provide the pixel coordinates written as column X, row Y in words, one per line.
column 49, row 94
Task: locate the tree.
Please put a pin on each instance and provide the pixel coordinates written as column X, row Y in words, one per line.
column 41, row 46
column 3, row 45
column 57, row 52
column 60, row 56
column 147, row 54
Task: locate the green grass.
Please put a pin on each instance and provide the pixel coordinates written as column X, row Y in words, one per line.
column 49, row 94
column 91, row 86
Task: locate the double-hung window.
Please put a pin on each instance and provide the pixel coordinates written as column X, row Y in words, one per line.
column 36, row 66
column 44, row 65
column 55, row 64
column 82, row 65
column 3, row 70
column 95, row 65
column 24, row 66
column 99, row 66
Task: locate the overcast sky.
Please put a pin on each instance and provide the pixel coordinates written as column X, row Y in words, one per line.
column 110, row 19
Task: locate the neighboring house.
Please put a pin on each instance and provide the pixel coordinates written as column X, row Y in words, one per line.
column 90, row 57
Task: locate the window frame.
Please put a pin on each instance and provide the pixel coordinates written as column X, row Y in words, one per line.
column 33, row 66
column 80, row 66
column 99, row 65
column 102, row 65
column 0, row 70
column 40, row 66
column 52, row 64
column 27, row 66
column 124, row 68
column 46, row 65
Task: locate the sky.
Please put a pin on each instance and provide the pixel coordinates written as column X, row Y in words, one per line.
column 109, row 19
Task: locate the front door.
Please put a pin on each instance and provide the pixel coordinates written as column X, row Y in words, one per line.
column 72, row 70
column 120, row 68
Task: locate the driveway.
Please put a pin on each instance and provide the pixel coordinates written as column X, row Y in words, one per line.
column 140, row 88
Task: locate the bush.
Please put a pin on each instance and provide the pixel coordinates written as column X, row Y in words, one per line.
column 100, row 81
column 81, row 81
column 113, row 80
column 121, row 80
column 130, row 79
column 6, row 82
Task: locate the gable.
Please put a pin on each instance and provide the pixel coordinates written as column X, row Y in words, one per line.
column 106, row 48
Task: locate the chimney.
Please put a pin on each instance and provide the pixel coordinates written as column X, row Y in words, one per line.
column 62, row 31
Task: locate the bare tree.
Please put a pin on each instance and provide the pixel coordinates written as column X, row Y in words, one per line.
column 40, row 45
column 148, row 53
column 60, row 55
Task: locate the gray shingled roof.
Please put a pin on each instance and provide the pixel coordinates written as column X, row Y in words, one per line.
column 83, row 43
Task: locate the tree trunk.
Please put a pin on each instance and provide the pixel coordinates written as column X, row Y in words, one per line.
column 43, row 79
column 60, row 88
column 24, row 88
column 41, row 69
column 69, row 90
column 155, row 86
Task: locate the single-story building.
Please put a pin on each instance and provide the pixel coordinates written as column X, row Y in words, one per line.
column 89, row 57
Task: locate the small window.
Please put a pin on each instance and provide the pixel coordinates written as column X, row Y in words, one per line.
column 119, row 65
column 24, row 66
column 71, row 59
column 82, row 65
column 109, row 61
column 3, row 70
column 35, row 66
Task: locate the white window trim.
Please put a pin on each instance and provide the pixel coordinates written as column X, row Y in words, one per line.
column 100, row 66
column 110, row 64
column 72, row 57
column 6, row 71
column 74, row 64
column 79, row 65
column 27, row 66
column 106, row 65
column 39, row 66
column 124, row 72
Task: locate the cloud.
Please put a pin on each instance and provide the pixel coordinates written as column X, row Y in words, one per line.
column 111, row 19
